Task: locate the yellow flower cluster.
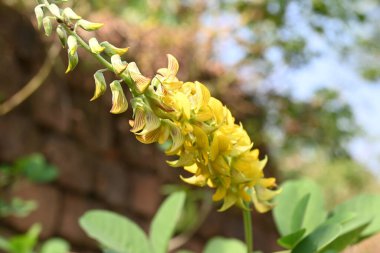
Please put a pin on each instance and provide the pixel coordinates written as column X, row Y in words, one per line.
column 203, row 134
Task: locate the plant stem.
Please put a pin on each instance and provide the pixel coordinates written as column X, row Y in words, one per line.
column 248, row 230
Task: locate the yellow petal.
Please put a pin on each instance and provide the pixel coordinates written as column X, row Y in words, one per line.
column 177, row 140
column 219, row 194
column 119, row 101
column 141, row 81
column 139, row 121
column 195, row 180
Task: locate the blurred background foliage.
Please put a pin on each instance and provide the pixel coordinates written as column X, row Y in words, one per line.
column 237, row 45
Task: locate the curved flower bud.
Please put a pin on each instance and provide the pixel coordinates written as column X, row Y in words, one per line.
column 118, row 65
column 141, row 81
column 172, row 69
column 72, row 44
column 111, row 49
column 119, row 101
column 62, row 35
column 69, row 14
column 39, row 15
column 47, row 25
column 88, row 26
column 73, row 61
column 54, row 9
column 94, row 46
column 100, row 84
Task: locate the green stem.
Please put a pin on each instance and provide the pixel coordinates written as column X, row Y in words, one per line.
column 248, row 230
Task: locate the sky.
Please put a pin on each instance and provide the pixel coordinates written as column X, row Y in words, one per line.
column 327, row 70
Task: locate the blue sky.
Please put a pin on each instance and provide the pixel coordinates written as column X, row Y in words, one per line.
column 327, row 70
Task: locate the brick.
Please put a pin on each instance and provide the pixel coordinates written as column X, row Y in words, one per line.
column 74, row 206
column 18, row 136
column 73, row 162
column 50, row 107
column 112, row 183
column 47, row 213
column 146, row 195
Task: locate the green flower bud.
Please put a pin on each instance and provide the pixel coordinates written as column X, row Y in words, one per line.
column 100, row 84
column 39, row 15
column 68, row 13
column 72, row 44
column 94, row 46
column 89, row 26
column 54, row 9
column 111, row 49
column 62, row 35
column 119, row 101
column 73, row 61
column 47, row 25
column 117, row 64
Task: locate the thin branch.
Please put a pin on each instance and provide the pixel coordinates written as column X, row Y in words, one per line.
column 34, row 83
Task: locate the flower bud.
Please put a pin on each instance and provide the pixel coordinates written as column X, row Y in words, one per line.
column 72, row 44
column 47, row 25
column 119, row 101
column 39, row 15
column 100, row 84
column 94, row 46
column 73, row 61
column 68, row 13
column 62, row 35
column 117, row 64
column 89, row 26
column 111, row 49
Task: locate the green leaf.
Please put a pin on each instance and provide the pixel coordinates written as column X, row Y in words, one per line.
column 224, row 245
column 36, row 169
column 4, row 244
column 25, row 243
column 115, row 232
column 319, row 238
column 350, row 233
column 294, row 210
column 367, row 206
column 165, row 220
column 291, row 240
column 55, row 245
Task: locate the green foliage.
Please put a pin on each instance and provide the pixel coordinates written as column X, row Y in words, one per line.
column 115, row 232
column 55, row 245
column 27, row 243
column 223, row 245
column 32, row 167
column 16, row 207
column 165, row 220
column 121, row 235
column 302, row 220
column 306, row 212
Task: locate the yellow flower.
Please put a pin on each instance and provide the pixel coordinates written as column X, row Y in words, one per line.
column 203, row 134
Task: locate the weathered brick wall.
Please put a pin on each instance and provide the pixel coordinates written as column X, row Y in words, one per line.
column 101, row 165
